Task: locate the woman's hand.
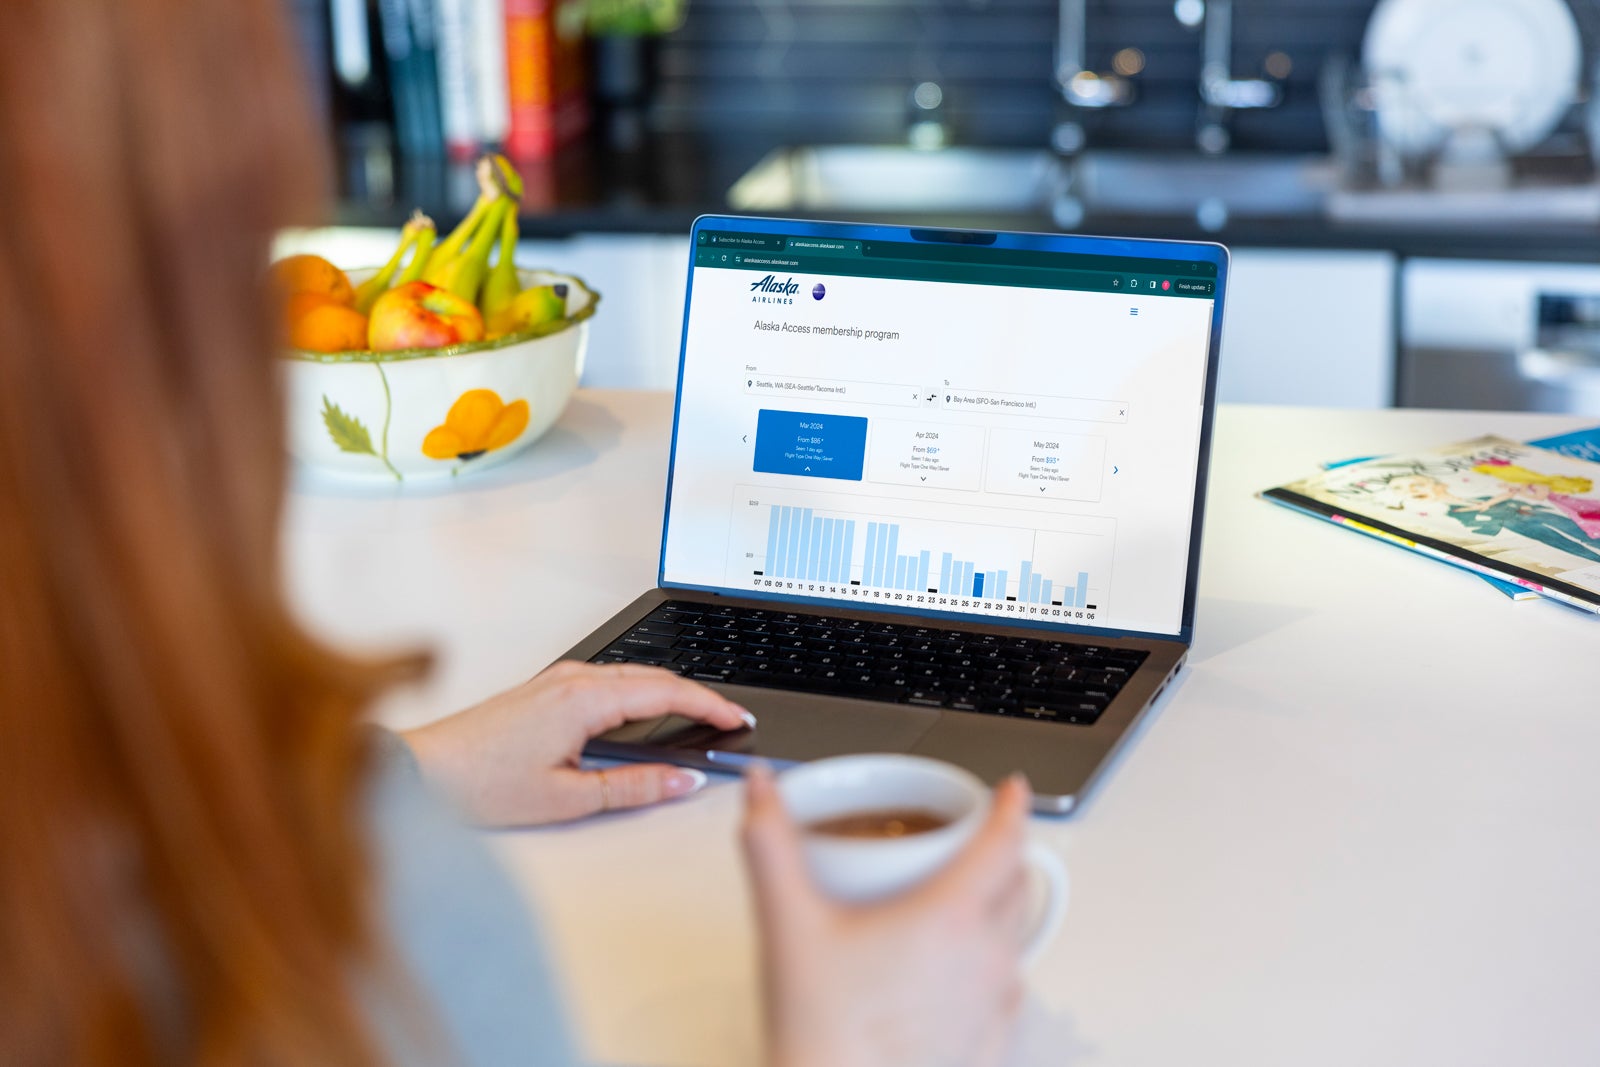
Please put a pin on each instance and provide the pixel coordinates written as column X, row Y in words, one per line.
column 513, row 760
column 927, row 978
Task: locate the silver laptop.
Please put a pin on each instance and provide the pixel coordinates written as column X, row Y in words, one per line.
column 931, row 491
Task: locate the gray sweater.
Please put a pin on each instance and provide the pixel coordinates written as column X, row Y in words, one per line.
column 462, row 934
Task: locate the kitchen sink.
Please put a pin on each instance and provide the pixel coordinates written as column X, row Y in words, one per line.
column 1196, row 186
column 890, row 179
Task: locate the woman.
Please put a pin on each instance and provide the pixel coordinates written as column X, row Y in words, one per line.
column 203, row 857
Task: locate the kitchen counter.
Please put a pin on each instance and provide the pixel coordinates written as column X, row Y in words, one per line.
column 661, row 186
column 1358, row 830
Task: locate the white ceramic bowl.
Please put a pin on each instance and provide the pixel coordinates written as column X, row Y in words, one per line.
column 420, row 414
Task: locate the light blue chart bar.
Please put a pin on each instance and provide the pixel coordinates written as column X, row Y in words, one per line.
column 772, row 539
column 780, row 565
column 1083, row 588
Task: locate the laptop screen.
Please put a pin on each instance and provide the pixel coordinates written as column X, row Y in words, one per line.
column 1001, row 427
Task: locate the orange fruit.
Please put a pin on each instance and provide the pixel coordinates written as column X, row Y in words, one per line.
column 298, row 304
column 312, row 274
column 329, row 327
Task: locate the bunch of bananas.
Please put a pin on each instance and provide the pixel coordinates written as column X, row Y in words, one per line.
column 461, row 262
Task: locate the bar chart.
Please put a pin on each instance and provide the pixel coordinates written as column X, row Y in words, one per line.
column 819, row 546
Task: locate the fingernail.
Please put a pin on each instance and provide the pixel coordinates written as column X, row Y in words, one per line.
column 749, row 720
column 683, row 781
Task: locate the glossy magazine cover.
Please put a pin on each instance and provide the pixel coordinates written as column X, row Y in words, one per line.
column 1524, row 513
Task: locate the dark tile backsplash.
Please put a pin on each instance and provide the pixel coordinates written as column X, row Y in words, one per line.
column 816, row 70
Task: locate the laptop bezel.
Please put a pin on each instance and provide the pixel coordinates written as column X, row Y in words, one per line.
column 1071, row 244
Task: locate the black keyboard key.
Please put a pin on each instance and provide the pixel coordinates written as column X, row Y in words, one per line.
column 635, row 639
column 665, row 628
column 641, row 653
column 671, row 614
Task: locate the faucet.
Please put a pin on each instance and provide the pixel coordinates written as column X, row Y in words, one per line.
column 1220, row 91
column 1080, row 86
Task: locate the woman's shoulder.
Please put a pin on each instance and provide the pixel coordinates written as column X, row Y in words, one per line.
column 465, row 937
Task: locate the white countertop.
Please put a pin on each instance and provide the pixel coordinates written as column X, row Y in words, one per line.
column 1362, row 829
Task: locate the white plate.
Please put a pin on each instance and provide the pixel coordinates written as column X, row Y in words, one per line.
column 1507, row 66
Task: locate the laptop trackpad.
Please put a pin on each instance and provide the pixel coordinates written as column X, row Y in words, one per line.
column 802, row 729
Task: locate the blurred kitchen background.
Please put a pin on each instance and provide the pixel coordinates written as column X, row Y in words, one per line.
column 1409, row 187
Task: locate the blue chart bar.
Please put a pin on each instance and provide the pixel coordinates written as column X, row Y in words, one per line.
column 977, row 586
column 944, row 572
column 1083, row 588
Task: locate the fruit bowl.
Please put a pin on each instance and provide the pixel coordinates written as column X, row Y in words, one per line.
column 421, row 414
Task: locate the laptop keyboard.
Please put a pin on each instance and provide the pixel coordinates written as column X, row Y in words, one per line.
column 1023, row 677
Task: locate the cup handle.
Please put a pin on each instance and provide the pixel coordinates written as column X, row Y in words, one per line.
column 1052, row 875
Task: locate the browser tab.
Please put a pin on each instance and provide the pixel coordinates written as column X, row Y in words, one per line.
column 723, row 239
column 824, row 246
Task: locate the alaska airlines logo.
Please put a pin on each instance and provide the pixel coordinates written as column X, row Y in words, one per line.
column 770, row 284
column 770, row 290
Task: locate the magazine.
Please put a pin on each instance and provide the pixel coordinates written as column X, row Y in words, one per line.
column 1584, row 444
column 1525, row 515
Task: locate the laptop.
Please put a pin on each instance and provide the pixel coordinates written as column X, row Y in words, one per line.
column 931, row 491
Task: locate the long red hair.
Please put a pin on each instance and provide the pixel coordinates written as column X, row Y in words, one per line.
column 183, row 877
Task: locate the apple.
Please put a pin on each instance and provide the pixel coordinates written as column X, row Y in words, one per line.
column 419, row 315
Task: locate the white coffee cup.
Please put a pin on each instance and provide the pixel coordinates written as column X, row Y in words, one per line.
column 862, row 869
